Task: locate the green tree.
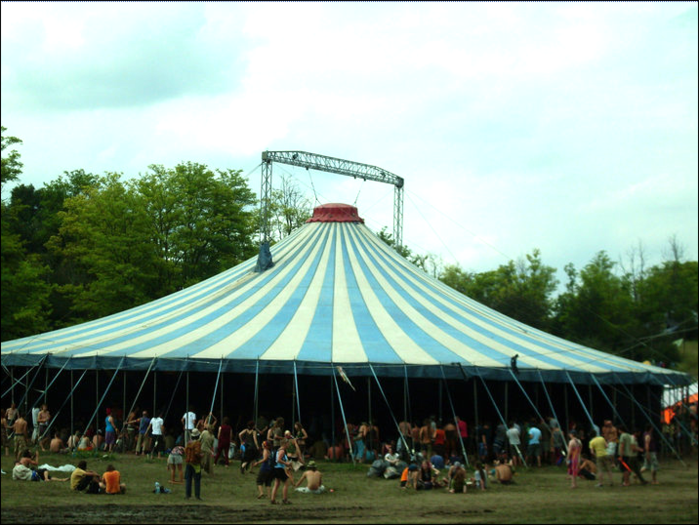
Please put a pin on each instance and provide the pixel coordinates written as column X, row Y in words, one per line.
column 289, row 209
column 10, row 167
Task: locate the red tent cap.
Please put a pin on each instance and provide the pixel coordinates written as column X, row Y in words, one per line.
column 335, row 213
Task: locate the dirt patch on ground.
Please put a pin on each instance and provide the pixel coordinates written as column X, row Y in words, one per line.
column 180, row 514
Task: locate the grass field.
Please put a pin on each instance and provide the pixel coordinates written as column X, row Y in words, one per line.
column 539, row 496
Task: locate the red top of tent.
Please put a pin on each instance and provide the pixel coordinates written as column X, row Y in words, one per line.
column 335, row 213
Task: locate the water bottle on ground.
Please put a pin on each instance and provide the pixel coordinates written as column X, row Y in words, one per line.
column 157, row 488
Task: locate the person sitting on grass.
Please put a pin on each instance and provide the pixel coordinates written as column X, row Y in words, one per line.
column 57, row 446
column 504, row 472
column 112, row 481
column 85, row 480
column 457, row 479
column 314, row 480
column 408, row 479
column 480, row 478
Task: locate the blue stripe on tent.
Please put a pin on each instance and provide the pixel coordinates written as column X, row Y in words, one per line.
column 431, row 346
column 186, row 328
column 318, row 343
column 476, row 345
column 227, row 329
column 267, row 335
column 493, row 354
column 376, row 348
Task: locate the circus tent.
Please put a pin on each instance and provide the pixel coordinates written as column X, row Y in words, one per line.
column 336, row 295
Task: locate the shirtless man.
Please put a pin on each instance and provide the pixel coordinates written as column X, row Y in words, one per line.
column 57, row 446
column 503, row 472
column 19, row 427
column 611, row 436
column 314, row 480
column 43, row 420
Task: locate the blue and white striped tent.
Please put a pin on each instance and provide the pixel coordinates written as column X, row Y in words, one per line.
column 336, row 295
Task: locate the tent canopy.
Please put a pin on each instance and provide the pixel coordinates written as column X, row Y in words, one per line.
column 336, row 295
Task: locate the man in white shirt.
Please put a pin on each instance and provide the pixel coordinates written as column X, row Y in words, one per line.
column 188, row 422
column 156, row 428
column 513, row 436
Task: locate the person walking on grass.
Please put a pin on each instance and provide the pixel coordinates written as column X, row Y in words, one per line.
column 650, row 454
column 280, row 474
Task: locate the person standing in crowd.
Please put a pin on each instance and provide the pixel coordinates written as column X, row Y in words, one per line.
column 534, row 447
column 43, row 419
column 156, row 427
column 513, row 437
column 650, row 454
column 174, row 462
column 301, row 437
column 628, row 458
column 574, row 451
column 451, row 447
column 224, row 440
column 193, row 456
column 109, row 431
column 249, row 446
column 143, row 426
column 132, row 430
column 611, row 436
column 19, row 427
column 265, row 474
column 426, row 438
column 598, row 449
column 207, row 449
column 280, row 475
column 188, row 421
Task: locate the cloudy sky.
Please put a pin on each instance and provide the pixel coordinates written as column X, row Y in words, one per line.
column 571, row 127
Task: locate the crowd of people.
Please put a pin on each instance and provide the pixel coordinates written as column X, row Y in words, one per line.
column 422, row 456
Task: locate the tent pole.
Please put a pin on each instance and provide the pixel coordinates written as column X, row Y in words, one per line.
column 368, row 384
column 395, row 422
column 492, row 400
column 257, row 378
column 344, row 419
column 565, row 396
column 592, row 404
column 332, row 419
column 453, row 412
column 123, row 398
column 72, row 412
column 70, row 397
column 133, row 405
column 475, row 407
column 633, row 410
column 553, row 410
column 155, row 390
column 441, row 418
column 650, row 420
column 28, row 385
column 97, row 396
column 613, row 406
column 220, row 413
column 589, row 417
column 106, row 391
column 213, row 398
column 296, row 391
column 506, row 400
column 15, row 383
column 49, row 386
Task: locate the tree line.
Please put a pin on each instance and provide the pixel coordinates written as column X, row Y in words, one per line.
column 85, row 246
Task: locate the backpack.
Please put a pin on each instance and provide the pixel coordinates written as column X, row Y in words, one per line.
column 192, row 453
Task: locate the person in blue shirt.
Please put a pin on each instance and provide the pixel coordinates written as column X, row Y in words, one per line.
column 534, row 447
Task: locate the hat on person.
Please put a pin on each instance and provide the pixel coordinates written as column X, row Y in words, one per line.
column 311, row 464
column 194, row 434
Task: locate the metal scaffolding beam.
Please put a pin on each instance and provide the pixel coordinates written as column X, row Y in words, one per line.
column 349, row 168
